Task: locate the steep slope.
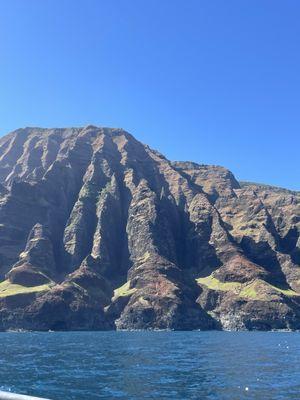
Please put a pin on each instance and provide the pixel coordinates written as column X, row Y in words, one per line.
column 98, row 231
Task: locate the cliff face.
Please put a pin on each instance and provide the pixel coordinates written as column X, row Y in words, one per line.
column 98, row 231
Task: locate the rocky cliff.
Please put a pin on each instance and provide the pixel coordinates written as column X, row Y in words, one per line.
column 98, row 231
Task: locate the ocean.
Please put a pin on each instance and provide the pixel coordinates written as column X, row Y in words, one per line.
column 151, row 365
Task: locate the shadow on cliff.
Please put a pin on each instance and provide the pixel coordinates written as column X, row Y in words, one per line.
column 288, row 245
column 262, row 254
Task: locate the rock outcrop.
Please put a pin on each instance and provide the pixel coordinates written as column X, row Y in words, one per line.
column 98, row 231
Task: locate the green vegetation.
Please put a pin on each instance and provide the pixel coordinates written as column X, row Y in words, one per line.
column 255, row 290
column 248, row 291
column 10, row 289
column 215, row 284
column 124, row 290
column 251, row 291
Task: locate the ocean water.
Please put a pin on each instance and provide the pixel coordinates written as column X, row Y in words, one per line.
column 151, row 365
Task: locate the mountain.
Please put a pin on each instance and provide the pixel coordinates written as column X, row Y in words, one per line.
column 98, row 231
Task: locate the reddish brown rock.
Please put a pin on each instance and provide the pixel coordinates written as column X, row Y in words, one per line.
column 98, row 231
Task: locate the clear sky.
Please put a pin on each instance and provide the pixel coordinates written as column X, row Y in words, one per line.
column 210, row 81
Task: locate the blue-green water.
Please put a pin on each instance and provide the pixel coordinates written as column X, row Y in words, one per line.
column 152, row 365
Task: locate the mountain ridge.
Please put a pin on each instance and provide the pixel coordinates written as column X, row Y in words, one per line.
column 99, row 231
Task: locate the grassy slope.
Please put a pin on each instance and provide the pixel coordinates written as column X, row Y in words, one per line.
column 10, row 289
column 255, row 290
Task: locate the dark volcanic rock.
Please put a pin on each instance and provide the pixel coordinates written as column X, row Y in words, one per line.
column 36, row 263
column 98, row 231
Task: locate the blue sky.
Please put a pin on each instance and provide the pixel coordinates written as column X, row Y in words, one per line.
column 210, row 81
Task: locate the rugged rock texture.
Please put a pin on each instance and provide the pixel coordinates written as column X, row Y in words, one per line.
column 98, row 231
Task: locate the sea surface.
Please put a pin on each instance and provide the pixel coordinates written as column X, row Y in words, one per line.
column 151, row 365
